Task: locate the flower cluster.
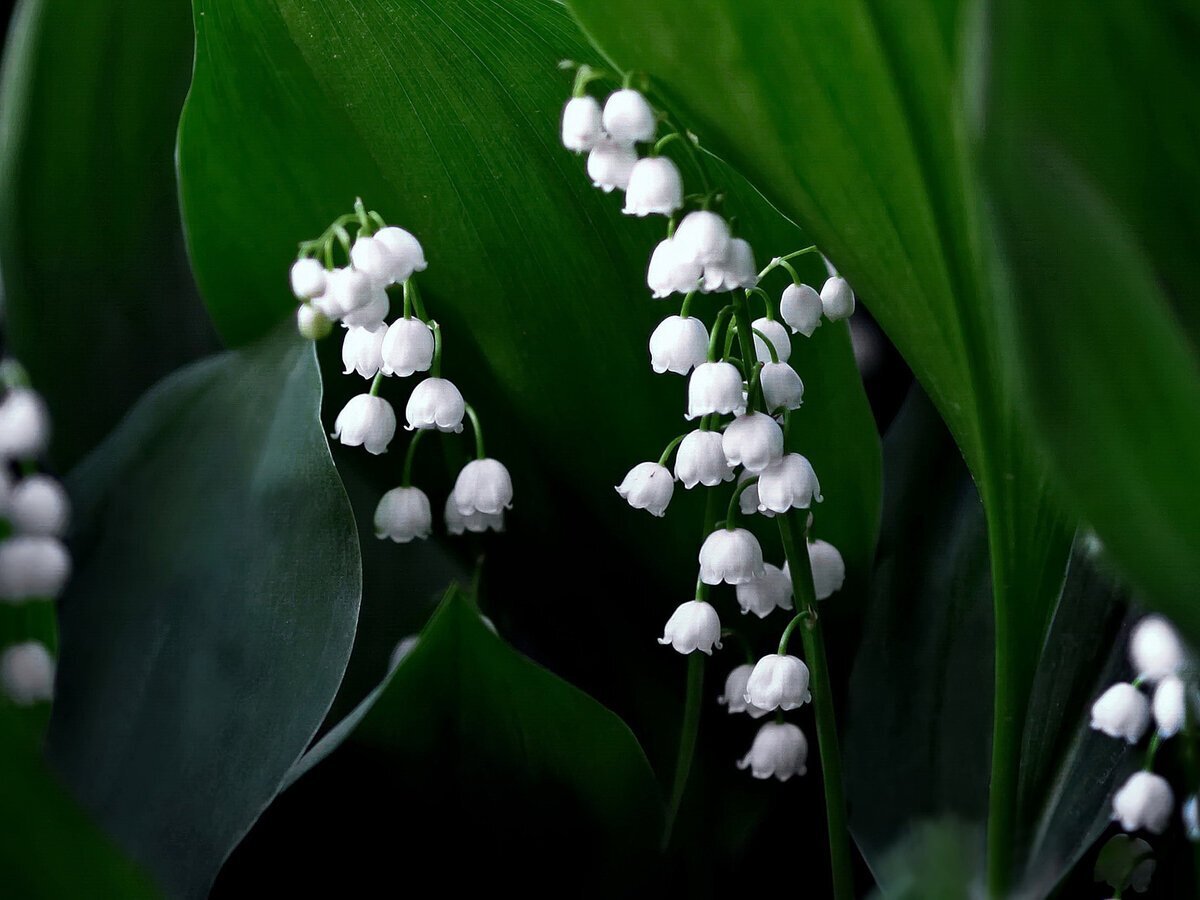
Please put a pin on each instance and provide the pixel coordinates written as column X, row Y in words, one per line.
column 741, row 402
column 378, row 257
column 1162, row 665
column 34, row 510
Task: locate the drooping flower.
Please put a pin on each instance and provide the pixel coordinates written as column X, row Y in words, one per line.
column 648, row 486
column 828, row 568
column 483, row 486
column 801, row 308
column 375, row 257
column 346, row 290
column 733, row 697
column 403, row 513
column 781, row 386
column 312, row 324
column 407, row 348
column 24, row 424
column 778, row 682
column 308, row 279
column 628, row 118
column 678, row 345
column 788, row 483
column 733, row 556
column 736, row 269
column 703, row 237
column 1155, row 649
column 27, row 673
column 581, row 127
column 780, row 750
column 701, row 460
column 670, row 271
column 366, row 421
column 693, row 626
column 372, row 314
column 407, row 254
column 753, row 440
column 1121, row 712
column 1144, row 801
column 837, row 299
column 763, row 595
column 777, row 334
column 362, row 350
column 436, row 403
column 32, row 567
column 655, row 187
column 715, row 387
column 38, row 505
column 610, row 164
column 1169, row 710
column 475, row 521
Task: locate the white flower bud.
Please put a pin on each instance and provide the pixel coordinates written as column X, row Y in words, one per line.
column 1121, row 712
column 828, row 568
column 407, row 254
column 703, row 237
column 837, row 300
column 27, row 673
column 403, row 514
column 731, row 555
column 1191, row 818
column 407, row 348
column 1144, row 801
column 763, row 595
column 736, row 269
column 780, row 750
column 715, row 387
column 693, row 626
column 403, row 648
column 1155, row 649
column 628, row 118
column 24, row 424
column 753, row 440
column 483, row 486
column 734, row 695
column 308, row 279
column 648, row 486
column 777, row 334
column 781, row 386
column 436, row 403
column 370, row 315
column 475, row 522
column 1169, row 699
column 788, row 483
column 581, row 127
column 610, row 164
column 801, row 308
column 748, row 499
column 362, row 350
column 655, row 188
column 366, row 421
column 39, row 505
column 312, row 323
column 778, row 682
column 700, row 460
column 346, row 290
column 671, row 272
column 678, row 345
column 33, row 568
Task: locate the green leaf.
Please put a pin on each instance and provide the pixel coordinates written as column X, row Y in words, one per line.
column 96, row 279
column 212, row 610
column 1093, row 179
column 1125, row 861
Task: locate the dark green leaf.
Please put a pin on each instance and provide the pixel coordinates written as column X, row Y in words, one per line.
column 212, row 610
column 1125, row 861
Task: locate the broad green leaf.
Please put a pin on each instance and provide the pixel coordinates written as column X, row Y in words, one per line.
column 212, row 609
column 1089, row 150
column 96, row 279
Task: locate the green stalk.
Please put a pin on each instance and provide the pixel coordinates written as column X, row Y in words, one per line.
column 804, row 598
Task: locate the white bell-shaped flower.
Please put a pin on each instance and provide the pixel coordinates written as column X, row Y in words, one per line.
column 362, row 350
column 693, row 626
column 748, row 499
column 801, row 308
column 1144, row 801
column 407, row 254
column 733, row 556
column 1169, row 712
column 715, row 387
column 27, row 673
column 38, row 505
column 648, row 486
column 475, row 521
column 407, row 348
column 308, row 279
column 672, row 272
column 312, row 324
column 781, row 387
column 701, row 460
column 403, row 648
column 366, row 421
column 372, row 314
column 24, row 424
column 837, row 300
column 655, row 188
column 753, row 440
column 703, row 237
column 483, row 486
column 375, row 258
column 33, row 567
column 436, row 403
column 678, row 345
column 1155, row 649
column 735, row 270
column 628, row 118
column 733, row 697
column 1121, row 712
column 777, row 334
column 780, row 750
column 581, row 127
column 788, row 483
column 403, row 513
column 764, row 595
column 778, row 682
column 828, row 568
column 610, row 164
column 346, row 290
column 1190, row 813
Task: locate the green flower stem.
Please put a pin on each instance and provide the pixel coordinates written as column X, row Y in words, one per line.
column 664, row 140
column 786, row 637
column 584, row 76
column 666, row 454
column 804, row 598
column 768, row 301
column 365, row 226
column 714, row 340
column 770, row 346
column 791, row 270
column 477, row 428
column 754, row 389
column 780, row 260
column 686, row 309
column 741, row 315
column 734, row 509
column 435, row 367
column 410, row 454
column 1151, row 752
column 376, row 383
column 410, row 288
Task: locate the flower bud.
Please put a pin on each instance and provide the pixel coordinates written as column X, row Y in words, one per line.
column 609, row 165
column 734, row 695
column 778, row 682
column 801, row 308
column 671, row 272
column 700, row 460
column 24, row 424
column 32, row 568
column 483, row 486
column 475, row 522
column 436, row 403
column 372, row 313
column 27, row 673
column 373, row 257
column 655, row 187
column 693, row 626
column 788, row 483
column 407, row 254
column 1121, row 712
column 407, row 348
column 736, row 269
column 753, row 440
column 581, row 127
column 828, row 568
column 362, row 350
column 1169, row 699
column 733, row 556
column 1144, row 801
column 780, row 750
column 38, row 505
column 781, row 386
column 715, row 387
column 628, row 118
column 648, row 486
column 403, row 514
column 763, row 595
column 366, row 421
column 312, row 324
column 777, row 334
column 678, row 345
column 346, row 290
column 1155, row 649
column 837, row 300
column 308, row 279
column 703, row 237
